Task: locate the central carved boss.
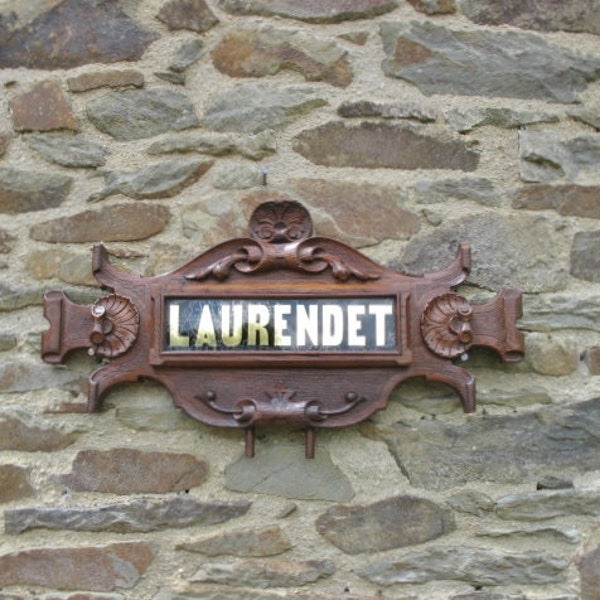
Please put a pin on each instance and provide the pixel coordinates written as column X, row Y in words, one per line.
column 281, row 329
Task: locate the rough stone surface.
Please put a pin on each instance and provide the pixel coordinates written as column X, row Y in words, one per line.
column 157, row 415
column 546, row 157
column 69, row 33
column 126, row 471
column 265, row 574
column 68, row 267
column 589, row 573
column 466, row 119
column 392, row 523
column 255, row 147
column 548, row 504
column 562, row 311
column 95, row 568
column 501, row 449
column 112, row 79
column 14, row 483
column 544, row 15
column 568, row 200
column 471, row 502
column 538, row 532
column 116, row 223
column 238, row 177
column 552, row 355
column 589, row 114
column 194, row 15
column 484, row 62
column 266, row 51
column 6, row 241
column 585, row 256
column 267, row 541
column 25, row 191
column 382, row 145
column 137, row 516
column 137, row 114
column 160, row 180
column 45, row 107
column 505, row 252
column 186, row 55
column 405, row 110
column 284, row 471
column 434, row 7
column 592, row 359
column 254, row 107
column 477, row 566
column 312, row 11
column 376, row 215
column 476, row 189
column 25, row 433
column 68, row 150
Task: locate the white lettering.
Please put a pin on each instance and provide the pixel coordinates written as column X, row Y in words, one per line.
column 307, row 323
column 206, row 328
column 381, row 311
column 354, row 325
column 332, row 327
column 258, row 319
column 231, row 333
column 280, row 324
column 174, row 338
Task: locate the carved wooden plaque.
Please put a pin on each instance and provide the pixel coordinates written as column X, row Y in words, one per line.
column 281, row 329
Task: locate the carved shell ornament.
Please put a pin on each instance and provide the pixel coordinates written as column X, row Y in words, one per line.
column 280, row 222
column 446, row 325
column 115, row 328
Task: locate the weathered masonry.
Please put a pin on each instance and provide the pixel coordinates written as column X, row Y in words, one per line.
column 282, row 329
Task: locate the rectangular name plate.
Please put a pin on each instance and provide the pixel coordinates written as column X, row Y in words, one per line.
column 282, row 324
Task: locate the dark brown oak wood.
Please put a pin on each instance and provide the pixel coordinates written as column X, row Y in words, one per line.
column 281, row 329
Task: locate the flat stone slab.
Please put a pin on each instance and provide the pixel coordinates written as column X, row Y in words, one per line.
column 284, row 471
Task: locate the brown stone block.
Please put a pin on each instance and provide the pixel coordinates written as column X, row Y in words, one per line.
column 14, row 483
column 124, row 222
column 257, row 53
column 382, row 145
column 194, row 15
column 94, row 568
column 99, row 79
column 126, row 471
column 43, row 108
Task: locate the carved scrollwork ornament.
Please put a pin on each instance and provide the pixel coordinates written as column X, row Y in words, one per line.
column 446, row 325
column 115, row 326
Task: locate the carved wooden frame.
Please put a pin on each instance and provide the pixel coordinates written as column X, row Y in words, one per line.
column 299, row 389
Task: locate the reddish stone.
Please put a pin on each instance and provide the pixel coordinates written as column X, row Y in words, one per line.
column 126, row 471
column 24, row 433
column 194, row 15
column 14, row 483
column 68, row 33
column 360, row 213
column 311, row 11
column 257, row 53
column 94, row 568
column 382, row 145
column 541, row 15
column 592, row 359
column 112, row 79
column 125, row 222
column 434, row 7
column 568, row 200
column 589, row 573
column 43, row 108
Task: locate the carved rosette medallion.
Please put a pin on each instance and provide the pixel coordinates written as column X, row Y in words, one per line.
column 280, row 222
column 115, row 326
column 446, row 325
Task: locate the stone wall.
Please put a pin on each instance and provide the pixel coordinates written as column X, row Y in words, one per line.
column 405, row 127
